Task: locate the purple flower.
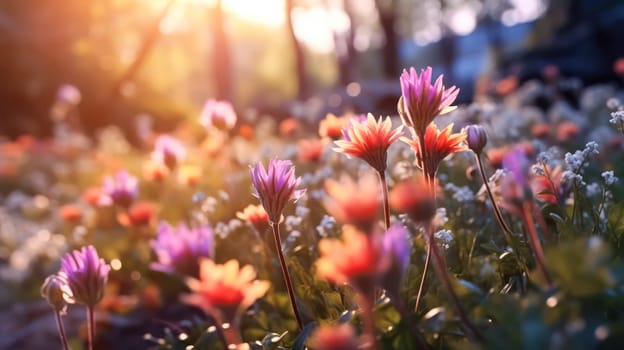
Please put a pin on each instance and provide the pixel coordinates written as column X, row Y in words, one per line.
column 517, row 163
column 169, row 151
column 218, row 114
column 396, row 246
column 122, row 189
column 178, row 249
column 275, row 187
column 86, row 275
column 396, row 243
column 421, row 102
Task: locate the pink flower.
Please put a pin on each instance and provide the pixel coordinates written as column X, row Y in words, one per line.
column 339, row 337
column 122, row 189
column 276, row 186
column 421, row 102
column 369, row 140
column 179, row 248
column 218, row 114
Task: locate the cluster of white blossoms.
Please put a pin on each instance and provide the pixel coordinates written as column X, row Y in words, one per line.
column 575, row 162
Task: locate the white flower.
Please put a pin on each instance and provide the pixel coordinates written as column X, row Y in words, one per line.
column 609, row 178
column 444, row 238
column 460, row 193
column 617, row 117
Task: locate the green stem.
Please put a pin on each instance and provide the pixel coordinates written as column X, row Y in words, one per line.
column 287, row 279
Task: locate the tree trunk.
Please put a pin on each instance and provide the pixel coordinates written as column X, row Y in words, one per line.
column 302, row 83
column 387, row 19
column 221, row 69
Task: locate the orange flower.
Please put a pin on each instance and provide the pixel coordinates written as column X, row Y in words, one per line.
column 189, row 174
column 438, row 145
column 358, row 259
column 415, row 198
column 540, row 130
column 70, row 213
column 507, row 86
column 213, row 144
column 369, row 140
column 310, row 150
column 566, row 131
column 246, row 132
column 93, row 196
column 155, row 171
column 256, row 216
column 224, row 291
column 332, row 126
column 339, row 337
column 496, row 155
column 288, row 127
column 354, row 203
column 547, row 186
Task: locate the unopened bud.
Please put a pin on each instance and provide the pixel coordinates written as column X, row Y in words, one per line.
column 476, row 138
column 53, row 289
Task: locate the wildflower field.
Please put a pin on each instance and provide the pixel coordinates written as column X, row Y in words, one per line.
column 495, row 224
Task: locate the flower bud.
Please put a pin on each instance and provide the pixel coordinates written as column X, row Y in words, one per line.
column 53, row 289
column 476, row 138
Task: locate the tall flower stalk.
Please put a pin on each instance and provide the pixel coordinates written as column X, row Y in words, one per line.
column 275, row 187
column 369, row 140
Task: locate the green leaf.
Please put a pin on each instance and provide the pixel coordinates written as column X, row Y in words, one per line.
column 615, row 219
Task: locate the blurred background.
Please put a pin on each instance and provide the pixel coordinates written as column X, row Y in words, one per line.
column 165, row 58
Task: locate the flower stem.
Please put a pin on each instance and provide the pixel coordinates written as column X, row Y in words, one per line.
column 439, row 267
column 287, row 280
column 424, row 276
column 386, row 207
column 366, row 303
column 61, row 330
column 90, row 326
column 534, row 240
column 497, row 212
column 231, row 336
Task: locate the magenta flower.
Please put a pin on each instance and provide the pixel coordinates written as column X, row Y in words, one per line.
column 69, row 94
column 122, row 189
column 178, row 249
column 86, row 275
column 218, row 114
column 421, row 102
column 169, row 151
column 275, row 187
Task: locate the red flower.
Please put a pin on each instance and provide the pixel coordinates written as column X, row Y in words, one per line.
column 369, row 140
column 438, row 145
column 139, row 214
column 566, row 131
